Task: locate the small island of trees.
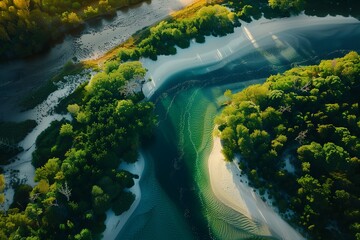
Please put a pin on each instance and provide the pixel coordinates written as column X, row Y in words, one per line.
column 308, row 118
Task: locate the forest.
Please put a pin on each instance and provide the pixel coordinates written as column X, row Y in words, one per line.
column 27, row 26
column 308, row 118
column 78, row 161
column 162, row 39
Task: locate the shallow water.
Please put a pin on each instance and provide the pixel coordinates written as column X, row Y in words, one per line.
column 177, row 201
column 18, row 78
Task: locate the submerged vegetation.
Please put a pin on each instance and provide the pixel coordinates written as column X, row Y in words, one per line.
column 10, row 134
column 307, row 118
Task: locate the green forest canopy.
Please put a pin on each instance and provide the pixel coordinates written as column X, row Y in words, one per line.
column 310, row 114
column 27, row 25
column 76, row 162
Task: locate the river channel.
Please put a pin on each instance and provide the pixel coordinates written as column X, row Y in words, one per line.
column 18, row 78
column 177, row 201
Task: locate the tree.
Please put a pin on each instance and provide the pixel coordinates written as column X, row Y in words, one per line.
column 123, row 202
column 48, row 171
column 85, row 234
column 335, row 156
column 22, row 4
column 65, row 190
column 101, row 200
column 285, row 5
column 71, row 18
column 73, row 109
column 66, row 130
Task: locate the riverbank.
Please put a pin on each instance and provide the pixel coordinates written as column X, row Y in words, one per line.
column 21, row 78
column 182, row 110
column 114, row 223
column 230, row 187
column 44, row 115
column 216, row 52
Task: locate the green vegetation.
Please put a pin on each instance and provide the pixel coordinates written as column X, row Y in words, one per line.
column 248, row 9
column 311, row 116
column 77, row 173
column 161, row 39
column 26, row 26
column 77, row 162
column 10, row 134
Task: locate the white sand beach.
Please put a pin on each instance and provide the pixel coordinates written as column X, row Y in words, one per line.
column 114, row 223
column 230, row 188
column 217, row 51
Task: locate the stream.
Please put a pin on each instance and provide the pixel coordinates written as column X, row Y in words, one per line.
column 18, row 78
column 176, row 200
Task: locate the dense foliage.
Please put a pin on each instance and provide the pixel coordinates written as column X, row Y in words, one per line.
column 27, row 25
column 247, row 9
column 77, row 162
column 309, row 118
column 161, row 39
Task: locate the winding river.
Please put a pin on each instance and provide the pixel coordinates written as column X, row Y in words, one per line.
column 176, row 200
column 19, row 78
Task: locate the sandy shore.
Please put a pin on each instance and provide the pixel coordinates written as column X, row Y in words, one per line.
column 114, row 223
column 217, row 51
column 232, row 191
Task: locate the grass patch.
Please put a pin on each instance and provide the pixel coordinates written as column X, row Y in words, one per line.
column 40, row 94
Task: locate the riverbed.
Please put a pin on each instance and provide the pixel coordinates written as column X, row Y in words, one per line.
column 177, row 199
column 19, row 78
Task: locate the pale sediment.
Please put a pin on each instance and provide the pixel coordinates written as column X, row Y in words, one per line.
column 232, row 190
column 217, row 51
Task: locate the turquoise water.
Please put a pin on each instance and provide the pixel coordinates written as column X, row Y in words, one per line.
column 177, row 201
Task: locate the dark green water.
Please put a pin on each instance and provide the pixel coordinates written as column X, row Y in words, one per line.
column 177, row 201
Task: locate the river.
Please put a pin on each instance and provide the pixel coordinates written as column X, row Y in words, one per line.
column 177, row 201
column 18, row 78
